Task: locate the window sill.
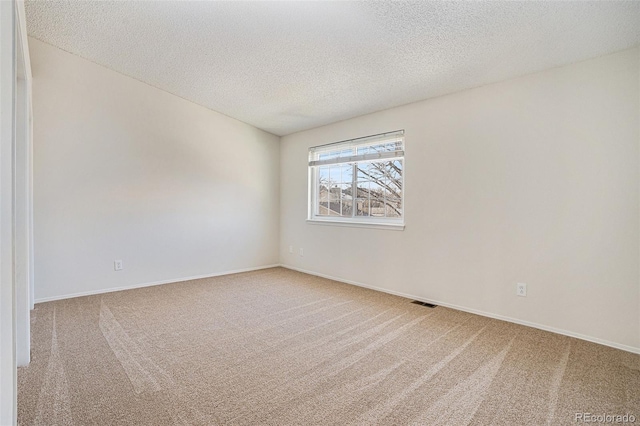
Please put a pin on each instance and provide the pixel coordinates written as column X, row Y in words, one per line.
column 360, row 224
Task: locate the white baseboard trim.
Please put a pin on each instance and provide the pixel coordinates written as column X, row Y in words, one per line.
column 175, row 280
column 474, row 311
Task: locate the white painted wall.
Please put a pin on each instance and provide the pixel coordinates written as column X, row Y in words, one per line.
column 23, row 247
column 7, row 290
column 126, row 171
column 530, row 180
column 15, row 173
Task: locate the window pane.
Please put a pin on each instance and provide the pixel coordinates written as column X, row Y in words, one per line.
column 393, row 146
column 336, row 154
column 378, row 171
column 377, row 207
column 334, row 174
column 328, row 208
column 347, row 207
column 382, row 147
column 363, row 207
column 346, row 171
column 394, row 208
column 322, row 191
column 323, row 208
column 334, row 193
column 363, row 150
column 323, row 174
column 328, row 155
column 389, row 189
column 375, row 189
column 363, row 189
column 365, row 170
column 345, row 189
column 396, row 167
column 346, row 199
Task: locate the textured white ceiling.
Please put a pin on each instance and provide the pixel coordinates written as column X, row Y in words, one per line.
column 290, row 66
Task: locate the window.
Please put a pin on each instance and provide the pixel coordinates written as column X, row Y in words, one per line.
column 358, row 182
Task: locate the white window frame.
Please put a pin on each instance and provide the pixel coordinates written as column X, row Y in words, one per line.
column 355, row 221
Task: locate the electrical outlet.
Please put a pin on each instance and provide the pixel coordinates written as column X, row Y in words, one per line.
column 301, row 251
column 117, row 265
column 521, row 289
column 290, row 249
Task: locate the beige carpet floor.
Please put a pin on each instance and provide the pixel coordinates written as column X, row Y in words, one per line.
column 278, row 347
